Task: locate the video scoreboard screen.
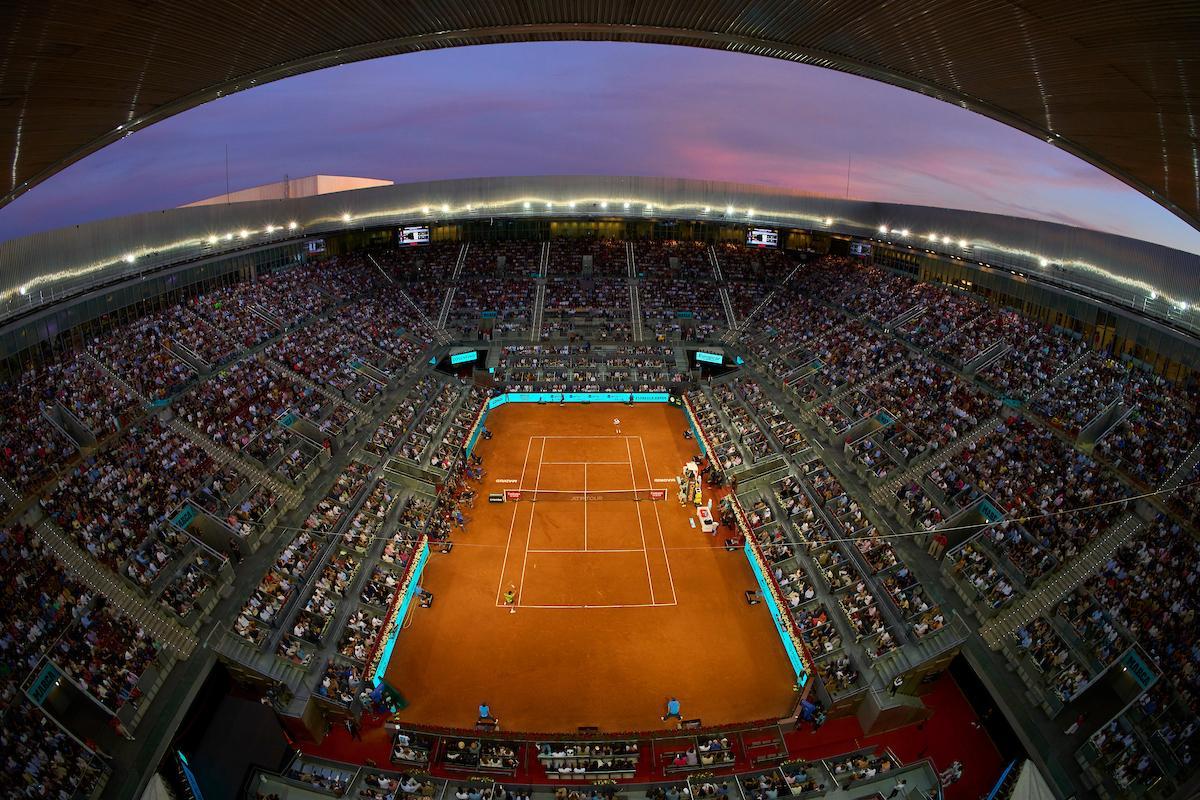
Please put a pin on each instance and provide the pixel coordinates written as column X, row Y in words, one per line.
column 709, row 358
column 316, row 246
column 414, row 236
column 464, row 358
column 860, row 249
column 762, row 237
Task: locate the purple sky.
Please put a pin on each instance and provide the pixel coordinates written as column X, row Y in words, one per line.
column 596, row 108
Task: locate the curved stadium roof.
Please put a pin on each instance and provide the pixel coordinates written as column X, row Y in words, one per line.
column 1112, row 82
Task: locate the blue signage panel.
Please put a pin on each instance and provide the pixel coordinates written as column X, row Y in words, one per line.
column 579, row 397
column 476, row 432
column 1138, row 669
column 184, row 517
column 710, row 358
column 989, row 512
column 765, row 590
column 43, row 683
column 464, row 358
column 401, row 611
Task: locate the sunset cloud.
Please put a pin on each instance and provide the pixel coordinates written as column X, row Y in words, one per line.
column 597, row 108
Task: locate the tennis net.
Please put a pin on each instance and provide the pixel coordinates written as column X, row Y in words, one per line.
column 582, row 496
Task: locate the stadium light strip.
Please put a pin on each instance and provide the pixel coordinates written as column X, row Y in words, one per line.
column 637, row 207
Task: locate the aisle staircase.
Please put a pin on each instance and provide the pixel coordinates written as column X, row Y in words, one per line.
column 716, row 265
column 236, row 649
column 447, row 302
column 1182, row 472
column 918, row 651
column 1050, row 592
column 881, row 493
column 539, row 307
column 727, row 304
column 115, row 378
column 223, row 455
column 147, row 614
column 635, row 312
column 320, row 389
column 458, row 264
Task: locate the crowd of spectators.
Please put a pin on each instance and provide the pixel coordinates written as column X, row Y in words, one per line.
column 509, row 301
column 100, row 403
column 1153, row 441
column 141, row 352
column 239, row 407
column 33, row 449
column 520, row 258
column 328, row 354
column 278, row 586
column 1078, row 398
column 418, row 443
column 1151, row 587
column 40, row 759
column 937, row 321
column 115, row 503
column 1033, row 363
column 723, row 451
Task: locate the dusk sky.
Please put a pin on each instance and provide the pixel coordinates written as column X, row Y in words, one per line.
column 596, row 108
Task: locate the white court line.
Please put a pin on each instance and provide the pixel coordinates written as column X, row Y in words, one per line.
column 583, row 463
column 641, row 530
column 585, row 505
column 579, row 606
column 529, row 533
column 588, row 436
column 666, row 558
column 508, row 544
column 567, row 550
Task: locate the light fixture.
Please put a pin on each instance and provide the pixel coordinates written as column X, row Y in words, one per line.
column 904, row 231
column 749, row 212
column 1154, row 295
column 626, row 206
column 212, row 240
column 130, row 258
column 829, row 220
column 346, row 217
column 270, row 229
column 549, row 205
column 649, row 206
column 962, row 243
column 1043, row 262
column 229, row 237
column 1183, row 306
column 945, row 240
column 728, row 209
column 571, row 204
column 24, row 290
column 445, row 207
column 604, row 204
column 243, row 233
column 293, row 225
column 526, row 205
column 470, row 208
column 933, row 237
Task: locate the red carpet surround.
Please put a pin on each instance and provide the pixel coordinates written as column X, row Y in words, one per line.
column 948, row 735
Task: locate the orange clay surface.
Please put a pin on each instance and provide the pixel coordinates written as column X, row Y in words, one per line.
column 620, row 603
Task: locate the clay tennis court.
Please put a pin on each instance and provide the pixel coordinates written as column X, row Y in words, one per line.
column 618, row 599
